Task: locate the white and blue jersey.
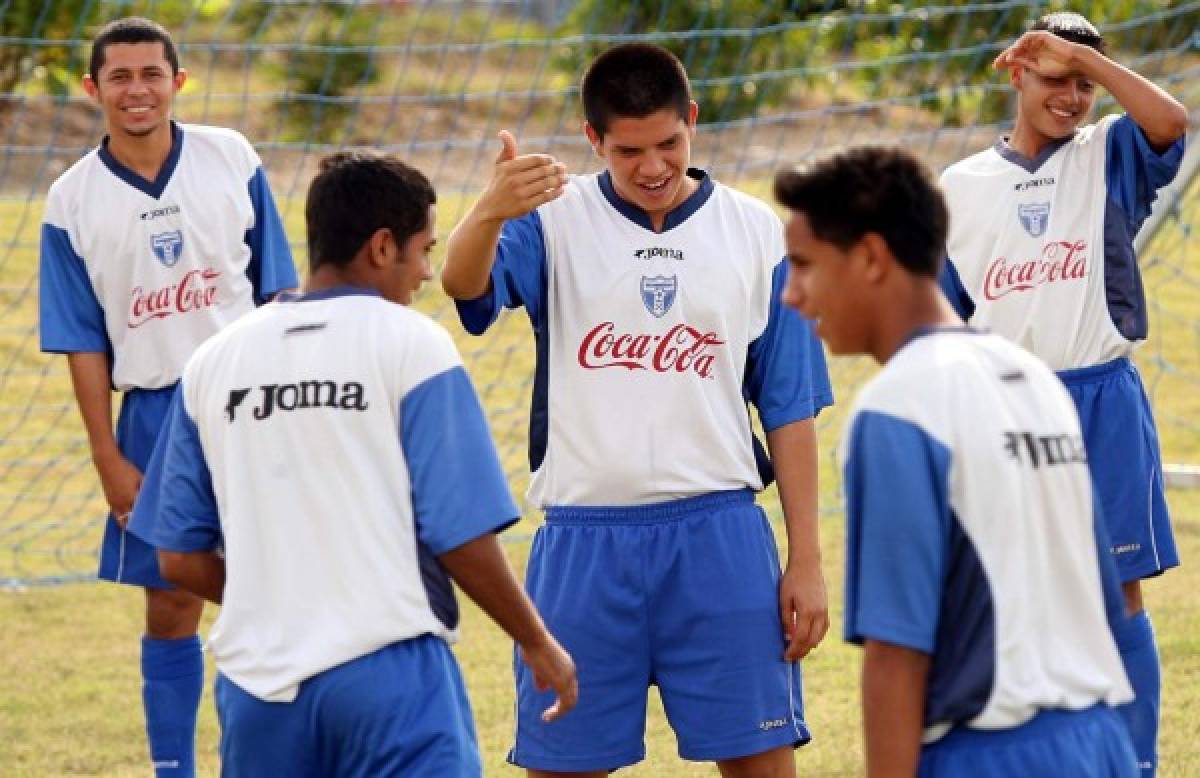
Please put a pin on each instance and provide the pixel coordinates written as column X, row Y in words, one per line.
column 325, row 444
column 1041, row 252
column 972, row 535
column 650, row 344
column 147, row 270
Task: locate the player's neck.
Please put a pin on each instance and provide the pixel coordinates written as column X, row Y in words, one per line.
column 332, row 276
column 1027, row 141
column 144, row 154
column 925, row 307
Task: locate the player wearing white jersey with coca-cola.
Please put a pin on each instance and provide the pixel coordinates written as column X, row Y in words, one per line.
column 977, row 574
column 150, row 244
column 1041, row 251
column 653, row 294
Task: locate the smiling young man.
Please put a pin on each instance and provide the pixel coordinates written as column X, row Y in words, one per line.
column 310, row 482
column 1041, row 251
column 653, row 295
column 977, row 573
column 150, row 244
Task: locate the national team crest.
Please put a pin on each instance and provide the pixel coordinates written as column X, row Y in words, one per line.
column 168, row 246
column 1034, row 217
column 658, row 294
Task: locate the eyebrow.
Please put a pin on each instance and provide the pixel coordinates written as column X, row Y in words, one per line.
column 674, row 137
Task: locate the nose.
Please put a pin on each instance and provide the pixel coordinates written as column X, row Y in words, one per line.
column 793, row 291
column 652, row 165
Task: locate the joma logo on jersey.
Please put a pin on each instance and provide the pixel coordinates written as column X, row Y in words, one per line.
column 658, row 294
column 299, row 396
column 1034, row 217
column 1033, row 183
column 1030, row 448
column 169, row 210
column 168, row 246
column 658, row 251
column 1060, row 261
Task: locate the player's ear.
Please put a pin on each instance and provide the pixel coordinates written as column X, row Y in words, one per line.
column 593, row 138
column 180, row 78
column 877, row 256
column 692, row 115
column 380, row 247
column 1015, row 74
column 89, row 86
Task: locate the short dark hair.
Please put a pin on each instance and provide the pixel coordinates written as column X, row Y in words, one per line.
column 877, row 189
column 634, row 80
column 356, row 193
column 131, row 29
column 1071, row 27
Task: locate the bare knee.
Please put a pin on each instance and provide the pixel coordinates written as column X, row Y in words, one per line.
column 172, row 613
column 777, row 763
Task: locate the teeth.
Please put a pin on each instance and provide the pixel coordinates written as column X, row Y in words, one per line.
column 658, row 185
column 139, row 109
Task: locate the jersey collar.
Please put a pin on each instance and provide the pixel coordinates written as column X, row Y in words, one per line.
column 1025, row 163
column 328, row 293
column 153, row 188
column 675, row 217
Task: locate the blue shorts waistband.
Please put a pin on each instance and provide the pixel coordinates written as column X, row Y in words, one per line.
column 1083, row 375
column 652, row 513
column 1046, row 722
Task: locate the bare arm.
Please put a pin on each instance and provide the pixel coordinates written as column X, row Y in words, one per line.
column 1161, row 116
column 519, row 184
column 483, row 572
column 200, row 572
column 93, row 394
column 893, row 699
column 804, row 609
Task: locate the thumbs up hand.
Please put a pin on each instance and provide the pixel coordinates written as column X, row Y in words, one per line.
column 520, row 182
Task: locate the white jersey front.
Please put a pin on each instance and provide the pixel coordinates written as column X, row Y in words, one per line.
column 148, row 270
column 971, row 534
column 650, row 344
column 1043, row 248
column 334, row 447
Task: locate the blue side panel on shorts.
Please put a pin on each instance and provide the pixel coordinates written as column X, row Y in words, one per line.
column 401, row 710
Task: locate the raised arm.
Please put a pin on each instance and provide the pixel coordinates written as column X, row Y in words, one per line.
column 1161, row 116
column 480, row 568
column 518, row 185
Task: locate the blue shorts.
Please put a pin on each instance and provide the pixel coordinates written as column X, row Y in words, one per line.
column 1123, row 453
column 400, row 711
column 683, row 595
column 124, row 557
column 1091, row 743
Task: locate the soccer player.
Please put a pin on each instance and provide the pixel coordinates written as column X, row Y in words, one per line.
column 152, row 242
column 324, row 443
column 653, row 294
column 976, row 573
column 1041, row 252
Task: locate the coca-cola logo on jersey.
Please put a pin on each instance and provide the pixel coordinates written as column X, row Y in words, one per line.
column 1061, row 260
column 195, row 291
column 681, row 349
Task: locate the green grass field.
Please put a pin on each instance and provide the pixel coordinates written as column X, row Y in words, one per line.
column 69, row 696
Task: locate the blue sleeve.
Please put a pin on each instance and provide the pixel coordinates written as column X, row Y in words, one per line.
column 459, row 491
column 518, row 276
column 786, row 378
column 956, row 293
column 271, row 267
column 176, row 509
column 1134, row 171
column 69, row 315
column 897, row 532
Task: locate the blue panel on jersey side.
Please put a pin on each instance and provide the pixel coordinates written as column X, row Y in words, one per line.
column 786, row 377
column 675, row 217
column 956, row 293
column 518, row 276
column 438, row 588
column 70, row 316
column 153, row 188
column 271, row 267
column 459, row 491
column 186, row 517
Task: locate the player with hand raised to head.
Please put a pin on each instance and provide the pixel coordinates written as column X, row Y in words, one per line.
column 977, row 570
column 1041, row 251
column 653, row 293
column 150, row 244
column 341, row 427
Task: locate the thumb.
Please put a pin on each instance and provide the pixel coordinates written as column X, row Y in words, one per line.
column 510, row 147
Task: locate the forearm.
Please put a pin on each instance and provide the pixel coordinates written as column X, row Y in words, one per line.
column 470, row 254
column 893, row 699
column 200, row 572
column 1163, row 118
column 482, row 571
column 793, row 449
column 93, row 394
